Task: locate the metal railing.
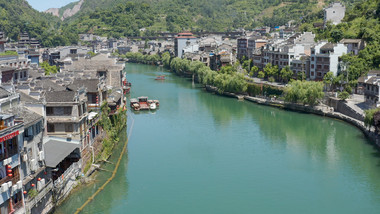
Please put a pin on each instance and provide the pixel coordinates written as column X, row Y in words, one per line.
column 74, row 169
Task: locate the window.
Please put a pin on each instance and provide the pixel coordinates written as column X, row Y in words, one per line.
column 312, row 59
column 49, row 110
column 326, row 67
column 67, row 110
column 68, row 127
column 312, row 73
column 312, row 65
column 50, row 127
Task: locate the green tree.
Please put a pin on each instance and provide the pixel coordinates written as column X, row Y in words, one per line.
column 261, row 75
column 306, row 92
column 368, row 118
column 49, row 69
column 254, row 70
column 343, row 95
column 286, row 73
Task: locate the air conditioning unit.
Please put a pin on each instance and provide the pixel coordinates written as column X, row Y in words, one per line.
column 9, row 184
column 41, row 155
column 5, row 162
column 4, row 187
column 33, row 165
column 14, row 188
column 25, row 158
column 19, row 184
column 39, row 186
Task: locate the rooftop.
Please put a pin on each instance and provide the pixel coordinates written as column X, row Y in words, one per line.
column 4, row 93
column 90, row 84
column 27, row 116
column 60, row 96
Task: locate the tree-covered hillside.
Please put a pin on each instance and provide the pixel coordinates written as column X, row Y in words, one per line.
column 361, row 22
column 196, row 15
column 18, row 16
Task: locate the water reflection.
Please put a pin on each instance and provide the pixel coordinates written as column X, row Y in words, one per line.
column 114, row 191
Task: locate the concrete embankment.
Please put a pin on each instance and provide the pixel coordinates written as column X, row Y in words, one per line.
column 322, row 110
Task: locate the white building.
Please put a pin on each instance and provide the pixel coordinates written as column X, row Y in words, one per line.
column 181, row 41
column 334, row 13
column 325, row 58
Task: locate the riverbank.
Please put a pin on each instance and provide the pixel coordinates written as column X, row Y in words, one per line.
column 317, row 110
column 209, row 160
column 113, row 126
column 321, row 110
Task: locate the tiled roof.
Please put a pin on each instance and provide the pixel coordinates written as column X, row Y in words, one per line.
column 328, row 46
column 90, row 84
column 4, row 93
column 27, row 116
column 350, row 41
column 60, row 96
column 49, row 85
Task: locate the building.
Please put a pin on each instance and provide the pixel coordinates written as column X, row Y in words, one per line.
column 242, row 48
column 325, row 58
column 282, row 53
column 370, row 83
column 181, row 41
column 353, row 45
column 32, row 164
column 8, row 98
column 334, row 13
column 3, row 40
column 11, row 131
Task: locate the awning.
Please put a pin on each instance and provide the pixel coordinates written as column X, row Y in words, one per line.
column 57, row 149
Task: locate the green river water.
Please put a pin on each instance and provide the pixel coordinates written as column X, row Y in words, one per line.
column 203, row 153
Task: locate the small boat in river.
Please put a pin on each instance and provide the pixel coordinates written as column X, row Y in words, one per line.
column 162, row 77
column 142, row 103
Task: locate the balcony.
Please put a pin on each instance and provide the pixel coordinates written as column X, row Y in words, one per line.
column 31, row 202
column 17, row 207
column 12, row 152
column 14, row 179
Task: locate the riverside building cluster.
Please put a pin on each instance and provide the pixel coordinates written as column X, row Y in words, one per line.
column 49, row 124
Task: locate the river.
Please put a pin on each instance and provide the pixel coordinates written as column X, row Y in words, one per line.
column 203, row 153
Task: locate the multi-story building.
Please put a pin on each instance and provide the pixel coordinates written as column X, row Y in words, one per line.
column 371, row 85
column 334, row 13
column 283, row 52
column 11, row 130
column 325, row 58
column 14, row 68
column 32, row 164
column 242, row 47
column 353, row 45
column 181, row 41
column 66, row 120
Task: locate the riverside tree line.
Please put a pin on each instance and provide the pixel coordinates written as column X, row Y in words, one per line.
column 229, row 79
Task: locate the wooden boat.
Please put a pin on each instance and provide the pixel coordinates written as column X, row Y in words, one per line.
column 126, row 89
column 162, row 77
column 135, row 104
column 155, row 102
column 142, row 103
